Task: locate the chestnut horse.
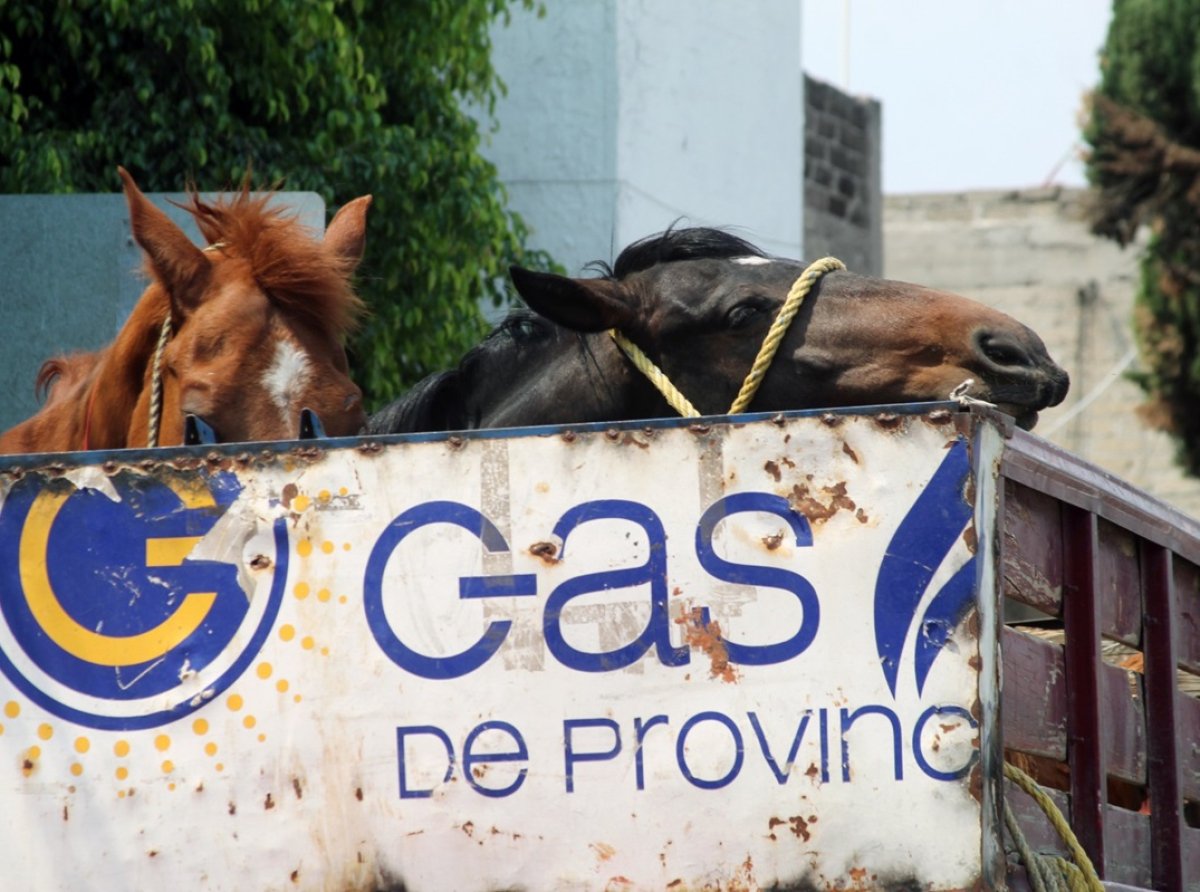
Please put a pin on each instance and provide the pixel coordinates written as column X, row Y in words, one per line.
column 243, row 334
column 699, row 302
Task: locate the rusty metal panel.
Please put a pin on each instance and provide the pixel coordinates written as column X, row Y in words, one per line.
column 722, row 656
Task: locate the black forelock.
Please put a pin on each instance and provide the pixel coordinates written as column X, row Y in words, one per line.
column 693, row 243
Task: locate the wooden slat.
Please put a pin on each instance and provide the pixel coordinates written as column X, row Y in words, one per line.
column 1166, row 800
column 1188, row 733
column 1081, row 620
column 1050, row 469
column 1032, row 551
column 1187, row 613
column 1191, row 858
column 1033, row 700
column 1127, row 836
column 1118, row 584
column 1123, row 728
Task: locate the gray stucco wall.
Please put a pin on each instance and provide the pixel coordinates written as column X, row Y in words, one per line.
column 70, row 273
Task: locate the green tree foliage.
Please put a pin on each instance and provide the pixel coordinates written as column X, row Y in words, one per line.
column 342, row 97
column 1144, row 133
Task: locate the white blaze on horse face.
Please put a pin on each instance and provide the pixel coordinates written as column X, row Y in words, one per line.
column 287, row 377
column 752, row 260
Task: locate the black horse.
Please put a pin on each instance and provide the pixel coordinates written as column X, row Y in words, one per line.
column 699, row 302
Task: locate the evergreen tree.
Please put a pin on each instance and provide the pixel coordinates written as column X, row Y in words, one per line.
column 1144, row 133
column 342, row 97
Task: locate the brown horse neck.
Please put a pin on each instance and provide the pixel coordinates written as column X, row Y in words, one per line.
column 122, row 375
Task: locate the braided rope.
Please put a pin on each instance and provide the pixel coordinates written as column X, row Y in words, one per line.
column 164, row 335
column 656, row 376
column 770, row 345
column 1079, row 874
column 766, row 353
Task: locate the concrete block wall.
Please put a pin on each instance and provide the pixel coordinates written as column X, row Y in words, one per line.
column 1030, row 254
column 843, row 204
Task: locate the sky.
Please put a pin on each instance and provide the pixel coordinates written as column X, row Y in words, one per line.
column 975, row 95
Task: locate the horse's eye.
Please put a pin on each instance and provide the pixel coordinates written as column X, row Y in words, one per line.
column 743, row 314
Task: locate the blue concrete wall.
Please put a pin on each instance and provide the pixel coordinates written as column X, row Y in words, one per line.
column 70, row 273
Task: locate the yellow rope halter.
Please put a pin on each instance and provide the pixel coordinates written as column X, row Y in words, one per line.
column 766, row 353
column 1045, row 871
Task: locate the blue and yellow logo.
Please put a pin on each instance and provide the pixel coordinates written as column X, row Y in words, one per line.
column 108, row 621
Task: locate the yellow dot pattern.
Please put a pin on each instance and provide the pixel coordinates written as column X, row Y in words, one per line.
column 78, row 747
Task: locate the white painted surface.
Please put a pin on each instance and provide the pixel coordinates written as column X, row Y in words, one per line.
column 308, row 748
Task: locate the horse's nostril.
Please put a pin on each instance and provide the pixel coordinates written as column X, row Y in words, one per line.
column 1003, row 350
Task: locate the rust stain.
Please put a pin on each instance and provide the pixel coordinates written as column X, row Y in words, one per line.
column 939, row 416
column 804, row 502
column 269, row 803
column 707, row 638
column 295, row 876
column 358, row 793
column 674, row 883
column 289, row 492
column 971, row 538
column 468, row 827
column 569, row 436
column 545, row 551
column 371, row 447
column 296, row 786
column 630, row 439
column 27, row 767
column 66, row 814
column 456, row 442
column 861, row 516
column 772, row 468
column 153, row 853
column 812, row 770
column 232, row 808
column 831, row 420
column 888, row 420
column 850, row 452
column 260, row 562
column 799, row 827
column 612, row 434
column 603, row 850
column 773, row 541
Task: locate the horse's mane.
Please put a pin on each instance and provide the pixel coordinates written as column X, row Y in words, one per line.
column 304, row 279
column 693, row 243
column 437, row 402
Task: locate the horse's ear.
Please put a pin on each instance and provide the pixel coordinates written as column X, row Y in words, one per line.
column 179, row 265
column 577, row 304
column 347, row 231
